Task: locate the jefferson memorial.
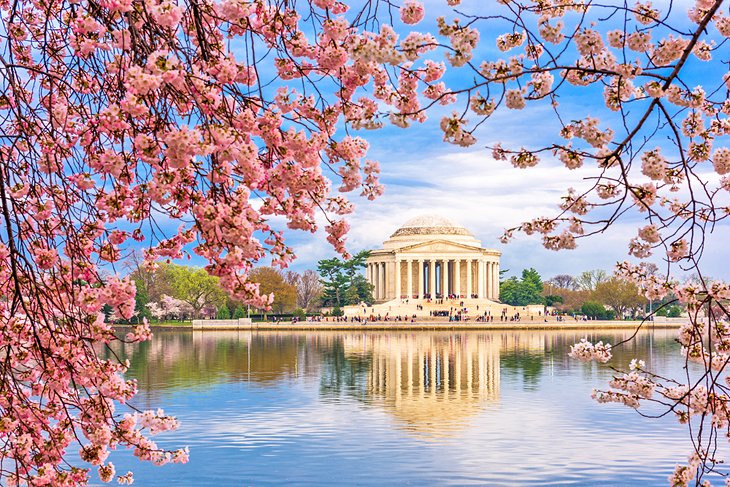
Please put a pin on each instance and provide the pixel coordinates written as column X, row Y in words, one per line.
column 431, row 257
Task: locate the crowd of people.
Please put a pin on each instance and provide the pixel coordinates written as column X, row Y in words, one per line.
column 453, row 314
column 459, row 313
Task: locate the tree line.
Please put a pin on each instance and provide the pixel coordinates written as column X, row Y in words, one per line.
column 593, row 293
column 177, row 292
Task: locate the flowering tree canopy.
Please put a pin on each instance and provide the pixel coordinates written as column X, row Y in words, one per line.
column 122, row 119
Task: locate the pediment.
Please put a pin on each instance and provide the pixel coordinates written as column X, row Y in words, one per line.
column 439, row 246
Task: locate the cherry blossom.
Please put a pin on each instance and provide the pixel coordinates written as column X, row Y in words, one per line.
column 121, row 115
column 412, row 12
column 586, row 351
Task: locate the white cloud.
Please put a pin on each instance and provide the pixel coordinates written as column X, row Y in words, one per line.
column 485, row 196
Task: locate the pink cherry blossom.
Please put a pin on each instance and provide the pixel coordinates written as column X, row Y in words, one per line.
column 185, row 113
column 412, row 12
column 586, row 351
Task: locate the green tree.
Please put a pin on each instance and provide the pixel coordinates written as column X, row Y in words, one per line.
column 553, row 299
column 360, row 290
column 273, row 281
column 594, row 310
column 672, row 311
column 509, row 291
column 342, row 281
column 223, row 312
column 140, row 306
column 620, row 295
column 239, row 312
column 194, row 286
column 588, row 280
column 527, row 290
column 334, row 280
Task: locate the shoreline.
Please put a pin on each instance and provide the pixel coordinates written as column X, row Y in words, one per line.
column 422, row 326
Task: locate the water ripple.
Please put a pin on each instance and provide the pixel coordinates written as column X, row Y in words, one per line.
column 503, row 408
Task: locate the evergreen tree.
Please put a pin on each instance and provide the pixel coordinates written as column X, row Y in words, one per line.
column 239, row 312
column 595, row 310
column 343, row 283
column 223, row 313
column 522, row 292
column 360, row 290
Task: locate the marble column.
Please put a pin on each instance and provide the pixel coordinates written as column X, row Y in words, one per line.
column 386, row 278
column 485, row 276
column 495, row 281
column 444, row 278
column 488, row 273
column 375, row 282
column 480, row 279
column 468, row 278
column 398, row 293
column 374, row 274
column 457, row 278
column 432, row 278
column 420, row 279
column 383, row 281
column 495, row 278
column 486, row 280
column 409, row 280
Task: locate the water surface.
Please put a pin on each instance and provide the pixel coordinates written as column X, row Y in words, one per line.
column 413, row 408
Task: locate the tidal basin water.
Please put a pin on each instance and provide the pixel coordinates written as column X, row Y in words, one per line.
column 393, row 408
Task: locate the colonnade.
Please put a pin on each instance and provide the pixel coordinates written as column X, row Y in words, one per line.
column 446, row 368
column 422, row 278
column 432, row 383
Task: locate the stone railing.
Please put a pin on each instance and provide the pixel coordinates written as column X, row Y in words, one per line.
column 663, row 319
column 221, row 324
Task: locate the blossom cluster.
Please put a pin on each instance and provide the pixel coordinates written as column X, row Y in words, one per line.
column 586, row 351
column 135, row 123
column 140, row 126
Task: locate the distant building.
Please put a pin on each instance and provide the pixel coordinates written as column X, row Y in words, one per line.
column 432, row 257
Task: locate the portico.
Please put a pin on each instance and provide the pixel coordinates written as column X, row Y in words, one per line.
column 431, row 257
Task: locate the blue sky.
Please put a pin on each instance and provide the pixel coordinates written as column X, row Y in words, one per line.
column 424, row 175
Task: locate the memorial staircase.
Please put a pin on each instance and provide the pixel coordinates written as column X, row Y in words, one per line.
column 425, row 308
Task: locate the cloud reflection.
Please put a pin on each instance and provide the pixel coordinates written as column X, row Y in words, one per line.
column 499, row 408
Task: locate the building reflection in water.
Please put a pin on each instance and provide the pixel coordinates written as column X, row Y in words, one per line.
column 430, row 383
column 433, row 384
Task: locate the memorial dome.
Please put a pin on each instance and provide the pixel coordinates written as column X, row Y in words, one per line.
column 429, row 228
column 430, row 225
column 427, row 246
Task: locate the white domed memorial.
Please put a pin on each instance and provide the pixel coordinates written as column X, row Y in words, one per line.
column 432, row 257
